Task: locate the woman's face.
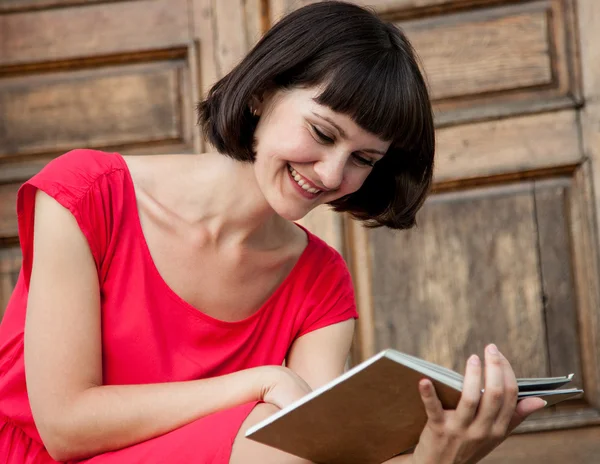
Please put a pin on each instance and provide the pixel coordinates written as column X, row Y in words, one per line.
column 307, row 154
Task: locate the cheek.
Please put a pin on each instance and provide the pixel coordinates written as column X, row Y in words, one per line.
column 289, row 144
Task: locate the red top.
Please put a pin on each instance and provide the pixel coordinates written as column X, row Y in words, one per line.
column 150, row 334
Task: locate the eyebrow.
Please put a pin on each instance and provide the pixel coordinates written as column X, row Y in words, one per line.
column 343, row 134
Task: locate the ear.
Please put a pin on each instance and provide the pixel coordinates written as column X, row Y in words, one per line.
column 257, row 104
column 259, row 100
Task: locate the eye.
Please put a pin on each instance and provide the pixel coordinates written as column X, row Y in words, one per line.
column 363, row 161
column 321, row 136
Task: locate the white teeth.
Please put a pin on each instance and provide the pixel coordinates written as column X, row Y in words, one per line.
column 301, row 182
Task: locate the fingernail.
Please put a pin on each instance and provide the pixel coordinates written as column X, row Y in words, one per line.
column 545, row 403
column 474, row 360
column 492, row 349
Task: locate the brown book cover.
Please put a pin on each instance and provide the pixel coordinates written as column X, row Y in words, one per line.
column 373, row 412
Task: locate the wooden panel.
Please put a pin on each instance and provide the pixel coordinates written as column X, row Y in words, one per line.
column 468, row 54
column 503, row 264
column 587, row 279
column 403, row 8
column 96, row 30
column 589, row 19
column 555, row 257
column 467, row 276
column 406, row 7
column 358, row 255
column 10, row 264
column 229, row 48
column 257, row 20
column 507, row 145
column 8, row 209
column 202, row 67
column 22, row 5
column 98, row 108
column 498, row 61
column 578, row 446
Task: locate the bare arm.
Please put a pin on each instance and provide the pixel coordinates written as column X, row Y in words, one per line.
column 75, row 414
column 317, row 357
column 320, row 356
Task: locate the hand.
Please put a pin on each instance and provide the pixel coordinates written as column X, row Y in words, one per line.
column 282, row 386
column 480, row 422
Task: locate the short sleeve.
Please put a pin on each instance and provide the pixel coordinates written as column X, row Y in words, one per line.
column 331, row 299
column 78, row 181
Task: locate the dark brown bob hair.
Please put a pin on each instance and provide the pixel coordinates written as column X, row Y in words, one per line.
column 368, row 71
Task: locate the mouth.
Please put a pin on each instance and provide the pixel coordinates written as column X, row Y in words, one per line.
column 304, row 185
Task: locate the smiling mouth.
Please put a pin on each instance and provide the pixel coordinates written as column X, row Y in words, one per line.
column 302, row 182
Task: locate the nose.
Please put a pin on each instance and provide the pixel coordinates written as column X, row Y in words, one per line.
column 330, row 169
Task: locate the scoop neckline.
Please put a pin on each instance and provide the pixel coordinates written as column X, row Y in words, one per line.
column 173, row 295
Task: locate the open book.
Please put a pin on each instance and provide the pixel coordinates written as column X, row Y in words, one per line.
column 374, row 411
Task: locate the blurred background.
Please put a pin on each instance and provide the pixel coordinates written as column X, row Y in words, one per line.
column 506, row 248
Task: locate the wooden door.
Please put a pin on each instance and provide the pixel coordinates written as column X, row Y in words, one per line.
column 118, row 75
column 506, row 248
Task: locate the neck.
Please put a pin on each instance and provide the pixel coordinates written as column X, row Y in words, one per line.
column 222, row 195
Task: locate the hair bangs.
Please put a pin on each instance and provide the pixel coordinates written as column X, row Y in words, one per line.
column 378, row 93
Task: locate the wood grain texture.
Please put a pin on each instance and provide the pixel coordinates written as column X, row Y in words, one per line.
column 229, row 48
column 108, row 107
column 587, row 278
column 25, row 5
column 559, row 298
column 471, row 54
column 576, row 446
column 10, row 265
column 96, row 30
column 589, row 33
column 8, row 210
column 257, row 19
column 507, row 145
column 281, row 7
column 466, row 276
column 359, row 260
column 204, row 59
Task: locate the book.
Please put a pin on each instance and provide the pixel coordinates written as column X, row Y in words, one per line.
column 374, row 411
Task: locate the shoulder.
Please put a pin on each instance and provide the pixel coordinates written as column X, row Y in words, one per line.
column 327, row 291
column 79, row 182
column 69, row 177
column 325, row 269
column 323, row 254
column 82, row 166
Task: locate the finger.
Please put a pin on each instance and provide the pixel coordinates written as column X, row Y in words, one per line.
column 524, row 409
column 471, row 392
column 493, row 396
column 433, row 406
column 511, row 392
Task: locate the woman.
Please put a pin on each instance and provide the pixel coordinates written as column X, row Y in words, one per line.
column 160, row 296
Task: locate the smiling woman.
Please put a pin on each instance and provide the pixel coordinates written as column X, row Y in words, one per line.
column 160, row 296
column 360, row 69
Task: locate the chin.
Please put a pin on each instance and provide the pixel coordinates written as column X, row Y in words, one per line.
column 291, row 215
column 289, row 211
